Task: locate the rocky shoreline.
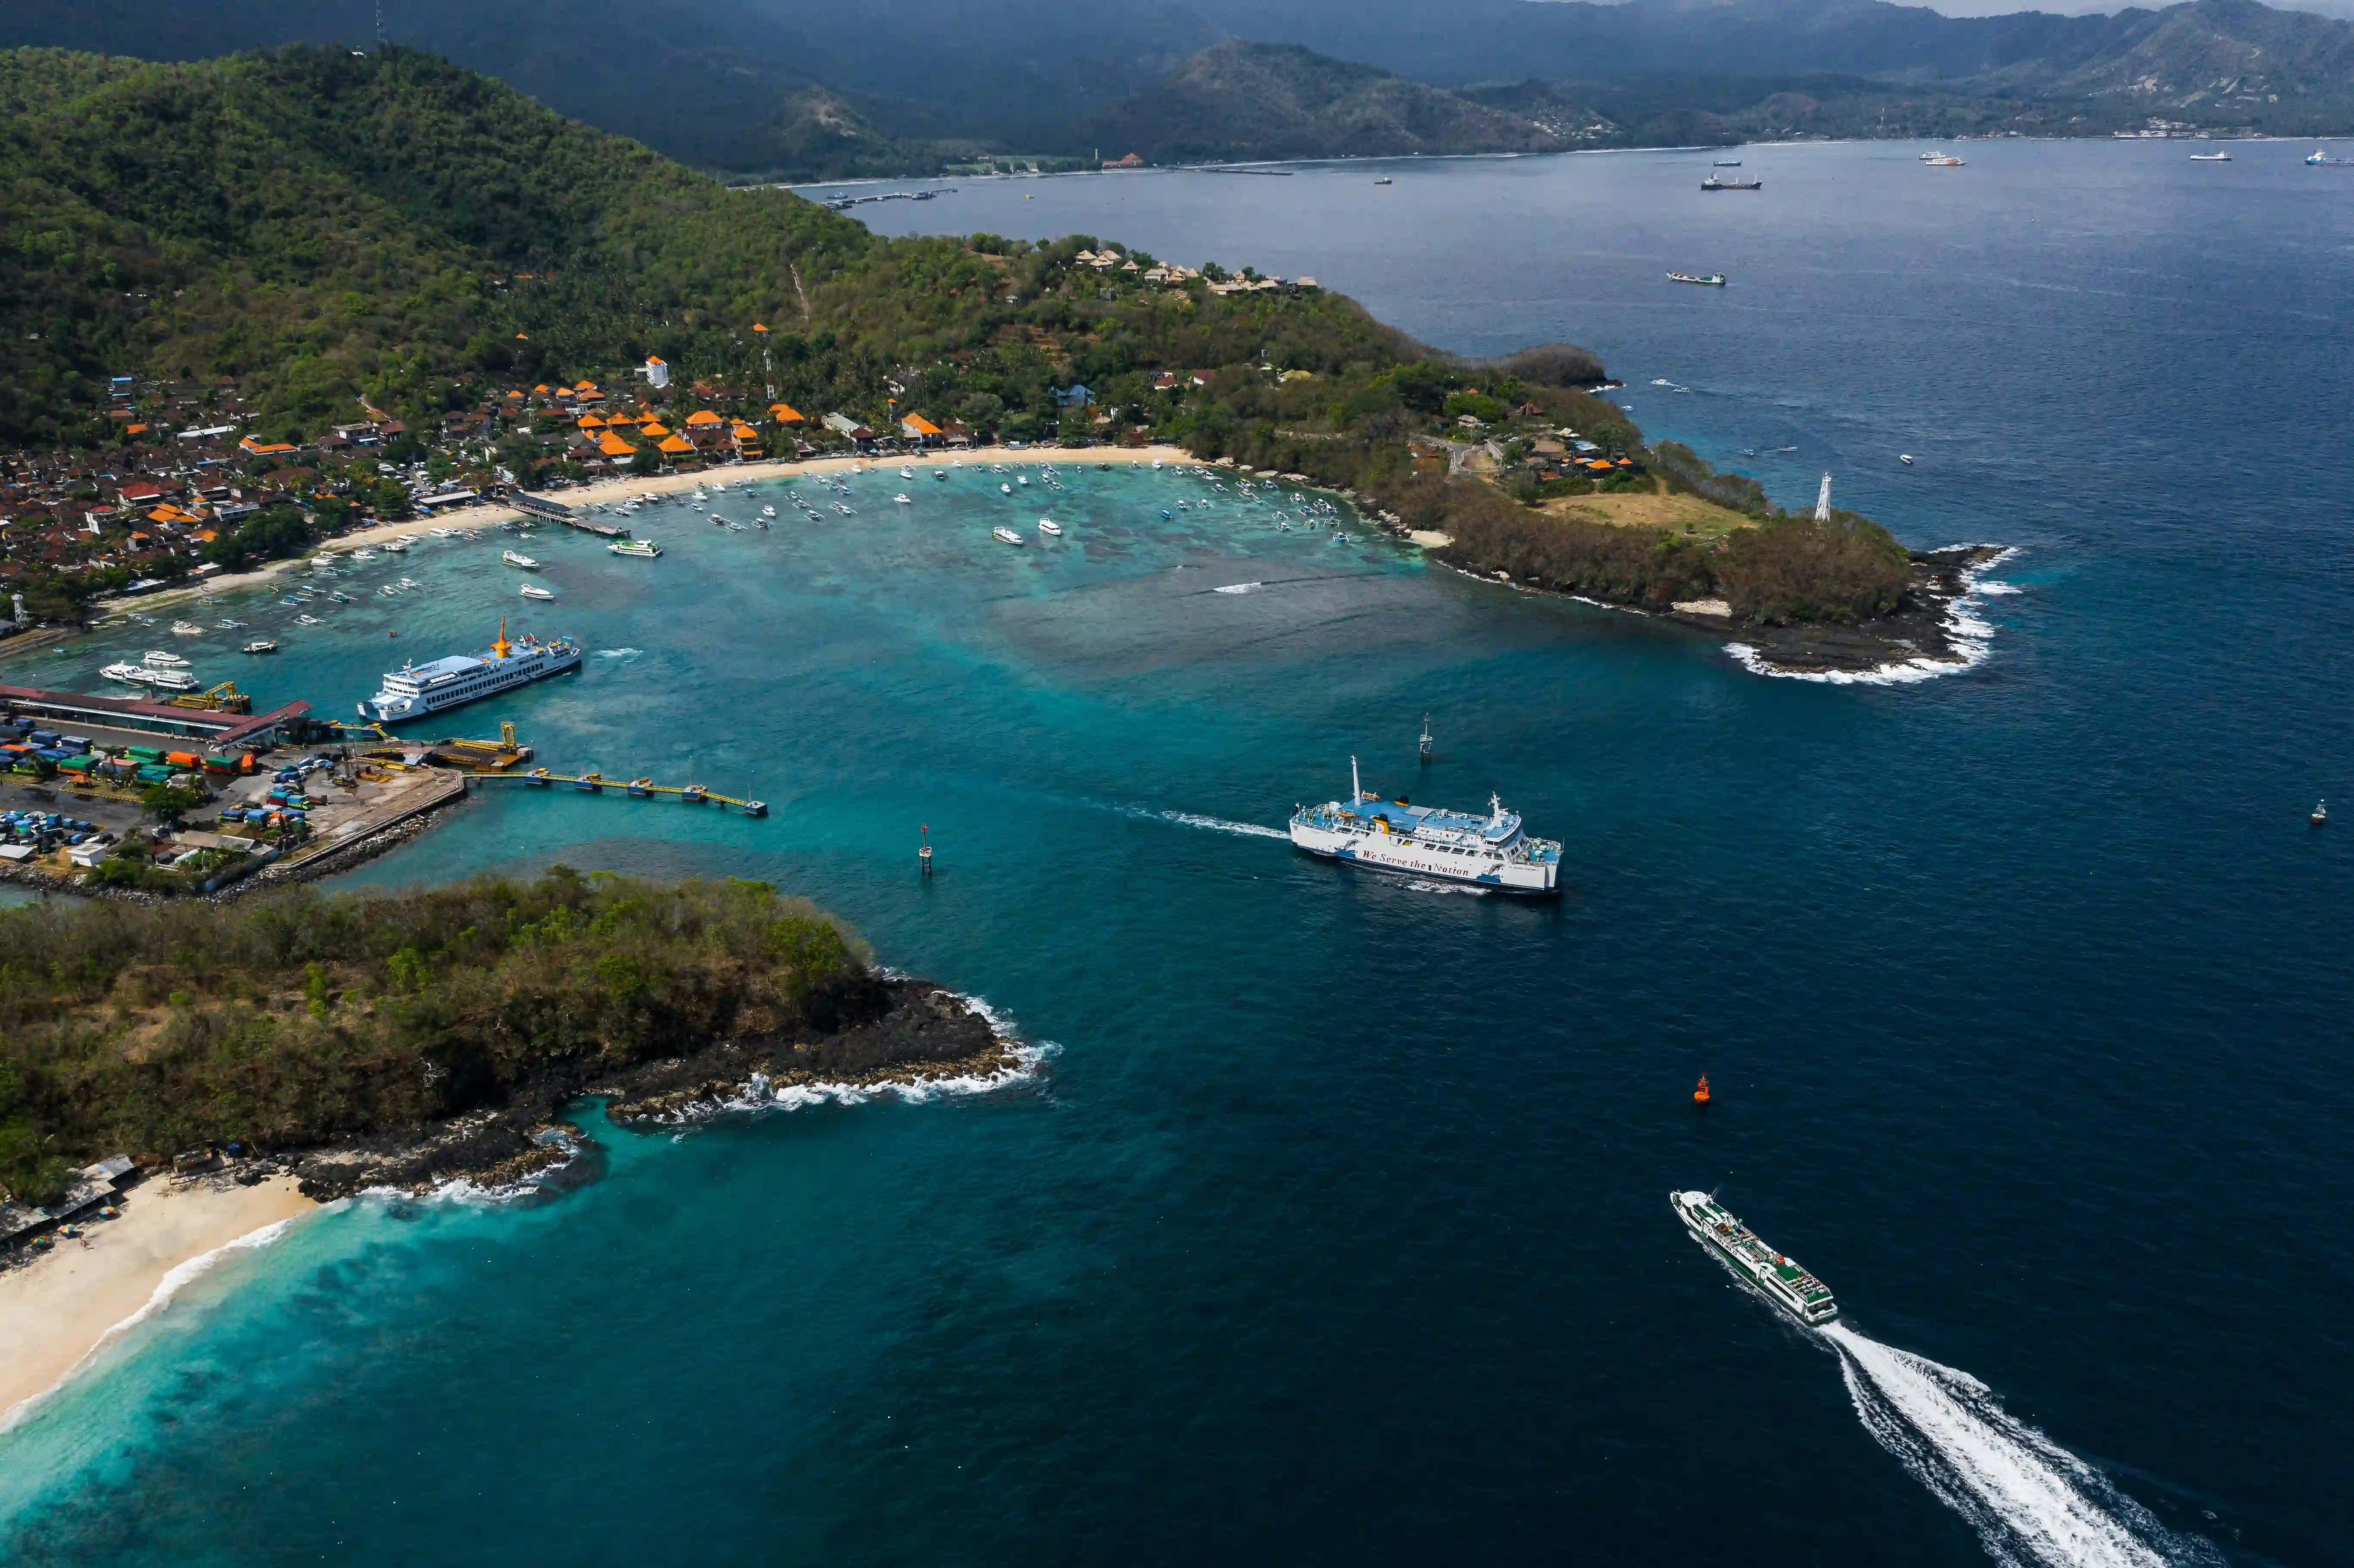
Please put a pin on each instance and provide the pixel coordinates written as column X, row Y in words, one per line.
column 926, row 1033
column 1922, row 634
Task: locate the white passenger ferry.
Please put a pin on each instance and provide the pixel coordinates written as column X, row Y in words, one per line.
column 415, row 690
column 1488, row 852
column 1786, row 1284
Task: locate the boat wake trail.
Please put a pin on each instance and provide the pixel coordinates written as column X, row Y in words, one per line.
column 2033, row 1504
column 1220, row 825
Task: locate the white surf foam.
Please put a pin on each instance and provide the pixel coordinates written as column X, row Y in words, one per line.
column 175, row 1280
column 1973, row 641
column 619, row 652
column 1237, row 587
column 2033, row 1504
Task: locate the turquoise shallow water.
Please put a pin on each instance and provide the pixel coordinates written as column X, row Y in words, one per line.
column 1335, row 1226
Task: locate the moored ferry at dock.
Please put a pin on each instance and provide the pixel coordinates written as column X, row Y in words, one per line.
column 1786, row 1285
column 415, row 690
column 1425, row 841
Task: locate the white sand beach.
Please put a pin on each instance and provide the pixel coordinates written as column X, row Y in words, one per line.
column 621, row 486
column 58, row 1307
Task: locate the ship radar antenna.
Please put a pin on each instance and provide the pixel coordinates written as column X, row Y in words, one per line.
column 1823, row 501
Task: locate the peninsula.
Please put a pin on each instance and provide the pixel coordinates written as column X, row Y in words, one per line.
column 512, row 298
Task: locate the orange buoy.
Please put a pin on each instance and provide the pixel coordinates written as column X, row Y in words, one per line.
column 1700, row 1095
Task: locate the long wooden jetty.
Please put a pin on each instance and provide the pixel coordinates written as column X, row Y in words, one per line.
column 643, row 789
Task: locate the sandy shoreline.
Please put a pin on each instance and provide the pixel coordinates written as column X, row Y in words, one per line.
column 620, row 487
column 63, row 1305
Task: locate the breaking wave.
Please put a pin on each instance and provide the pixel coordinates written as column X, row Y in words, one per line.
column 2033, row 1504
column 1237, row 587
column 619, row 652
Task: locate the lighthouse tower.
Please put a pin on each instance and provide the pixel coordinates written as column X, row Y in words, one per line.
column 1823, row 501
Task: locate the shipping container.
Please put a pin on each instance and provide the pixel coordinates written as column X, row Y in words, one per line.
column 142, row 754
column 183, row 759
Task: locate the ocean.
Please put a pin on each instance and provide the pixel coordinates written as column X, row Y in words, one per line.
column 1331, row 1224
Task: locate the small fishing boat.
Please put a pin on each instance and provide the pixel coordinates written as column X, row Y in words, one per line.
column 1386, row 180
column 225, row 624
column 1728, row 162
column 1021, row 479
column 643, row 549
column 694, row 795
column 907, row 473
column 2210, row 157
column 2321, row 814
column 902, row 499
column 1049, row 527
column 394, row 547
column 186, row 628
column 1004, row 489
column 641, row 788
column 1705, row 279
column 768, row 511
column 267, row 645
column 1005, row 536
column 1904, row 458
column 362, row 555
column 2320, row 157
column 518, row 559
column 939, row 473
column 308, row 620
column 340, row 597
column 533, row 590
column 1941, row 161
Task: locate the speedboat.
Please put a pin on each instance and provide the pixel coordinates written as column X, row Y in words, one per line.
column 394, row 547
column 267, row 645
column 1005, row 536
column 1021, row 479
column 1386, row 180
column 2321, row 156
column 1005, row 490
column 362, row 555
column 939, row 473
column 2210, row 157
column 1706, row 279
column 902, row 499
column 533, row 590
column 225, row 624
column 1048, row 526
column 158, row 659
column 186, row 628
column 768, row 511
column 518, row 558
column 907, row 473
column 1904, row 458
column 308, row 620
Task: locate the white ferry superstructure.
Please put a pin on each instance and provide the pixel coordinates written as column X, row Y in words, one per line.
column 415, row 690
column 1786, row 1285
column 1425, row 841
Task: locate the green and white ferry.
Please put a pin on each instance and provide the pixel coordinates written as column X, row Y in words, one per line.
column 1786, row 1284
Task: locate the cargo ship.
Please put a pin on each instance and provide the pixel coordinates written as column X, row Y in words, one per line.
column 1713, row 184
column 414, row 691
column 1786, row 1285
column 1425, row 840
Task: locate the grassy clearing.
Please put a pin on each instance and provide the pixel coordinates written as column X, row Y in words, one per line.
column 1688, row 515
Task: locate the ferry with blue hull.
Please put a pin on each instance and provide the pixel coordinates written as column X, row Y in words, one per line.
column 1425, row 841
column 414, row 691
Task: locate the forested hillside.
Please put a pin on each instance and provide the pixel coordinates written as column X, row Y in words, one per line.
column 1263, row 100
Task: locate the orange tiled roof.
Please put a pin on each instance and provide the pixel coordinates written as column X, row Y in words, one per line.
column 592, row 422
column 920, row 425
column 675, row 445
column 703, row 417
column 653, row 428
column 786, row 414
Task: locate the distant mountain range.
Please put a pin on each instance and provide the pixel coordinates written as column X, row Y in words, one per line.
column 798, row 89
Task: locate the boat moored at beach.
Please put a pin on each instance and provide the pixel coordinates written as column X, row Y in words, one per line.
column 518, row 559
column 1425, row 841
column 1785, row 1284
column 643, row 549
column 414, row 691
column 1005, row 536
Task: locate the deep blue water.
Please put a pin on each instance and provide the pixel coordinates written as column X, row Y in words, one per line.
column 1335, row 1227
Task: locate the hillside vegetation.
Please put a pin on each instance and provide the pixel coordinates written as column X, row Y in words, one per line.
column 148, row 1029
column 1264, row 100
